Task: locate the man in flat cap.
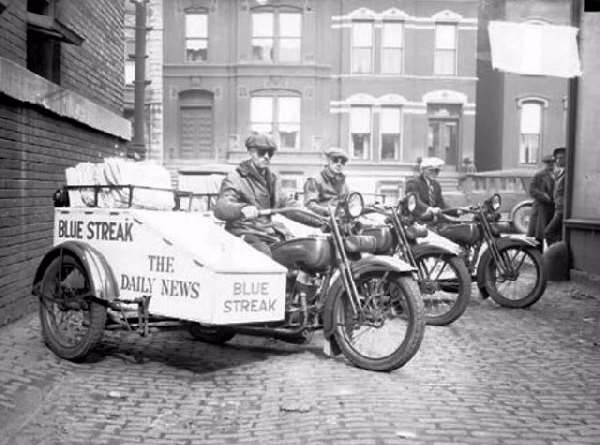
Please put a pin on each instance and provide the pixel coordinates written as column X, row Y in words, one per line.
column 541, row 190
column 248, row 189
column 427, row 188
column 553, row 231
column 329, row 187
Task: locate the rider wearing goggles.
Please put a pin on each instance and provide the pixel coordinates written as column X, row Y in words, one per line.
column 330, row 185
column 427, row 188
column 248, row 189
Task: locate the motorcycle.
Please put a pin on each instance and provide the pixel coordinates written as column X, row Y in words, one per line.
column 138, row 269
column 507, row 268
column 369, row 307
column 443, row 277
column 520, row 215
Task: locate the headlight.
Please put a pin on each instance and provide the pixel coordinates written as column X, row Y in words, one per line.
column 411, row 202
column 354, row 204
column 496, row 201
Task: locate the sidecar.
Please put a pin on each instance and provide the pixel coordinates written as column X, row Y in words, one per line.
column 118, row 262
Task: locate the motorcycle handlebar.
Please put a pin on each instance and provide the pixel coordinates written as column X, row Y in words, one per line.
column 297, row 210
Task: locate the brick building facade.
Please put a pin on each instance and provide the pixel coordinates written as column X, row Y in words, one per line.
column 61, row 100
column 520, row 118
column 389, row 81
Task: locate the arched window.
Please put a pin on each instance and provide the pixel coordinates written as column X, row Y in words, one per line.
column 530, row 133
column 392, row 47
column 362, row 47
column 277, row 112
column 445, row 49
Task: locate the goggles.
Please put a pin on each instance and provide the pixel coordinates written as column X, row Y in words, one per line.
column 261, row 152
column 339, row 160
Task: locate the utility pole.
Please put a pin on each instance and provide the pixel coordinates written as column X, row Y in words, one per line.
column 138, row 145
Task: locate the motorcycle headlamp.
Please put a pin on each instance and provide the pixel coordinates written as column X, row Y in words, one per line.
column 496, row 201
column 354, row 204
column 411, row 202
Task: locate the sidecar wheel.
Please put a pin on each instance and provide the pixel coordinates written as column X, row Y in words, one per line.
column 72, row 323
column 392, row 325
column 520, row 218
column 211, row 334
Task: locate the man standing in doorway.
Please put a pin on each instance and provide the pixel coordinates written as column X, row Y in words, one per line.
column 541, row 190
column 553, row 232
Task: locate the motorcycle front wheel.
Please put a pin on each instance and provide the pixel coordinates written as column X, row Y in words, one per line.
column 445, row 287
column 522, row 289
column 388, row 329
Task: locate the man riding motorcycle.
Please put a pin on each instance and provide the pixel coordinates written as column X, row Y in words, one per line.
column 330, row 185
column 250, row 188
column 427, row 189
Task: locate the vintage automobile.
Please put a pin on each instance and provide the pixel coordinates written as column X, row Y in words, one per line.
column 132, row 257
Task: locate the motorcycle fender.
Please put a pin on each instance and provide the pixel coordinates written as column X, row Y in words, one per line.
column 526, row 203
column 430, row 248
column 102, row 280
column 501, row 243
column 336, row 286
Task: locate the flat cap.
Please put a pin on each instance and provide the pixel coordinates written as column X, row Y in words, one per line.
column 336, row 152
column 432, row 162
column 261, row 140
column 548, row 159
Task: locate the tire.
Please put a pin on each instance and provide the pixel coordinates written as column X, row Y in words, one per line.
column 520, row 218
column 403, row 302
column 216, row 335
column 534, row 283
column 63, row 282
column 444, row 301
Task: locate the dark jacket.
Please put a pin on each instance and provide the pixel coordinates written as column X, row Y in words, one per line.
column 244, row 187
column 541, row 190
column 327, row 188
column 418, row 185
column 559, row 192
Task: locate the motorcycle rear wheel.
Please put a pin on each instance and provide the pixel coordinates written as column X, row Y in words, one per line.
column 452, row 295
column 392, row 310
column 514, row 293
column 216, row 335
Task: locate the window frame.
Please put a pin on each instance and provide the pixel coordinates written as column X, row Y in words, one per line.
column 190, row 12
column 275, row 96
column 522, row 160
column 398, row 153
column 371, row 48
column 454, row 50
column 383, row 48
column 369, row 156
column 276, row 36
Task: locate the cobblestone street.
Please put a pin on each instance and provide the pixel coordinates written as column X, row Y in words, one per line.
column 496, row 376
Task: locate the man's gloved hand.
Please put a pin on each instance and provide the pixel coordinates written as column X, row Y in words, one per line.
column 250, row 212
column 435, row 211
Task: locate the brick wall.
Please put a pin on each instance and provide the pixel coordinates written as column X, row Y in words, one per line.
column 37, row 145
column 35, row 149
column 93, row 69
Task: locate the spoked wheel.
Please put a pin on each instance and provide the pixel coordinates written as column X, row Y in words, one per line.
column 388, row 331
column 520, row 218
column 216, row 335
column 72, row 323
column 445, row 288
column 520, row 286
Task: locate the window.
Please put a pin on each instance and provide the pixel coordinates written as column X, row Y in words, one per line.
column 129, row 62
column 392, row 45
column 360, row 131
column 279, row 115
column 445, row 49
column 196, row 36
column 362, row 47
column 44, row 36
column 390, row 124
column 530, row 134
column 276, row 36
column 195, row 124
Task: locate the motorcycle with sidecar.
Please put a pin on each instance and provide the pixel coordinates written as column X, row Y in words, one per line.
column 122, row 267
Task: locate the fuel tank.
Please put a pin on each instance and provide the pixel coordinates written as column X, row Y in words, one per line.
column 463, row 233
column 310, row 254
column 385, row 238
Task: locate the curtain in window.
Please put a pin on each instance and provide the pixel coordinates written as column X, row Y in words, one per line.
column 360, row 129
